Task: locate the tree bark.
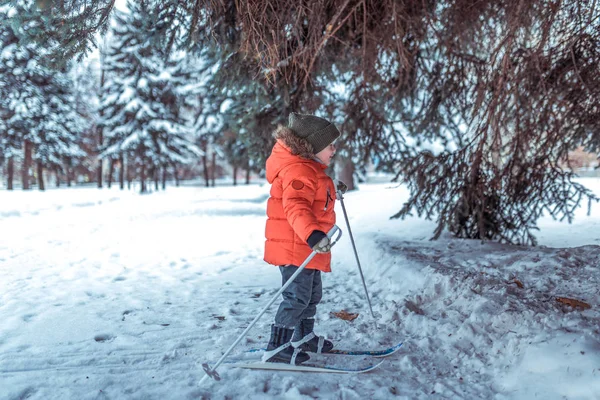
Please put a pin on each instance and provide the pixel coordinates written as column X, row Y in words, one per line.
column 99, row 173
column 101, row 113
column 122, row 172
column 248, row 176
column 130, row 166
column 346, row 175
column 213, row 170
column 69, row 171
column 142, row 177
column 10, row 173
column 164, row 177
column 235, row 172
column 57, row 175
column 27, row 149
column 111, row 171
column 99, row 167
column 206, row 175
column 176, row 175
column 40, row 176
column 155, row 173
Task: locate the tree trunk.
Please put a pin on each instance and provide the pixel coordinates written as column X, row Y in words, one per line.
column 27, row 148
column 164, row 177
column 68, row 171
column 213, row 170
column 101, row 113
column 111, row 171
column 40, row 176
column 122, row 172
column 155, row 174
column 235, row 172
column 99, row 173
column 130, row 167
column 143, row 177
column 205, row 165
column 248, row 176
column 57, row 174
column 176, row 175
column 10, row 173
column 346, row 175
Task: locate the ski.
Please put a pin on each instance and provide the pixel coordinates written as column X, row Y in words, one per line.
column 304, row 367
column 373, row 353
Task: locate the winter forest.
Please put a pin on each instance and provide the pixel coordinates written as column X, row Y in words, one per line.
column 484, row 113
column 476, row 106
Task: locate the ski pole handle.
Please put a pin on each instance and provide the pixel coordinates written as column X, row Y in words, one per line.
column 332, row 232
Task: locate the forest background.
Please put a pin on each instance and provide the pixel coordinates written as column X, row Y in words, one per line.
column 484, row 109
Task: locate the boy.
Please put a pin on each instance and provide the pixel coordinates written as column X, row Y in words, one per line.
column 299, row 212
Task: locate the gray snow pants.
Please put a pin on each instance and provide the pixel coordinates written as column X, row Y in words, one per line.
column 300, row 299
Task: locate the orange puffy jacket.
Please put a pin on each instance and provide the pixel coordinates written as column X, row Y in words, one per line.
column 302, row 201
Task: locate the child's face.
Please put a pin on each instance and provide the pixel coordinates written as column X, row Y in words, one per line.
column 326, row 155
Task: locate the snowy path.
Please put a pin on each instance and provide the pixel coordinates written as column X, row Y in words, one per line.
column 110, row 295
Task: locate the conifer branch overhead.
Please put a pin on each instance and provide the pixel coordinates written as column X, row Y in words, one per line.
column 499, row 90
column 65, row 29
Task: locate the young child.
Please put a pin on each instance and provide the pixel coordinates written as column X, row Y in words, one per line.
column 299, row 213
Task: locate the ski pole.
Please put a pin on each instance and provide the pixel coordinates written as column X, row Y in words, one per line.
column 341, row 197
column 211, row 372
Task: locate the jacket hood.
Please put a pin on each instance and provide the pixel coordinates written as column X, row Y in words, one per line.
column 297, row 145
column 289, row 149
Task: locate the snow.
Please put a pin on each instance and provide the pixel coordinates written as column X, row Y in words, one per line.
column 225, row 106
column 7, row 52
column 128, row 96
column 164, row 76
column 109, row 294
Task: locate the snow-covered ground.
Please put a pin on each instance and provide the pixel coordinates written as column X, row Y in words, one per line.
column 114, row 295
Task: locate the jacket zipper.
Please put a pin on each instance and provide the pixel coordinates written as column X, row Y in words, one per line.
column 328, row 198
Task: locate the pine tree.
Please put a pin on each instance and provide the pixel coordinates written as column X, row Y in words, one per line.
column 248, row 108
column 86, row 93
column 63, row 28
column 236, row 153
column 40, row 107
column 208, row 123
column 502, row 90
column 12, row 126
column 142, row 103
column 59, row 128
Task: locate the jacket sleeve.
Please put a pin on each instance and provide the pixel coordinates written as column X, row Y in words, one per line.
column 299, row 190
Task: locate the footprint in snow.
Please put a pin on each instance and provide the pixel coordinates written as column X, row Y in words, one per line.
column 28, row 317
column 27, row 393
column 103, row 338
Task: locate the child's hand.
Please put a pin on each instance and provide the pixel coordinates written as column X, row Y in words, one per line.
column 319, row 242
column 324, row 246
column 341, row 187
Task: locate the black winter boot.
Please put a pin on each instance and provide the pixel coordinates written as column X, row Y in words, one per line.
column 281, row 350
column 306, row 340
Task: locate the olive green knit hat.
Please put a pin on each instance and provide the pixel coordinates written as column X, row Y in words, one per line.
column 317, row 131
